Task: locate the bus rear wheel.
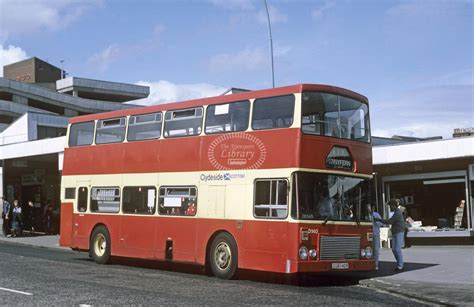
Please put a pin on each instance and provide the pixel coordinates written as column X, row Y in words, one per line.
column 100, row 245
column 223, row 256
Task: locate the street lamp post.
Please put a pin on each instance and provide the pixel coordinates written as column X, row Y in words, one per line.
column 271, row 41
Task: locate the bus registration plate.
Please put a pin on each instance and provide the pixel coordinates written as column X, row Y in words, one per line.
column 340, row 266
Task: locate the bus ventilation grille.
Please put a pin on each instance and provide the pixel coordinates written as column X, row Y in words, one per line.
column 339, row 247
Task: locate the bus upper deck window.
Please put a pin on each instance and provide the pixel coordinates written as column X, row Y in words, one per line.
column 185, row 122
column 273, row 112
column 334, row 115
column 230, row 117
column 144, row 127
column 110, row 131
column 81, row 134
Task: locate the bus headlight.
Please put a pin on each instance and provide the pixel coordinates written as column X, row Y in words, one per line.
column 303, row 252
column 313, row 253
column 368, row 252
column 362, row 252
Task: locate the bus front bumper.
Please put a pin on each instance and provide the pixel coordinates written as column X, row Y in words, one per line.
column 326, row 266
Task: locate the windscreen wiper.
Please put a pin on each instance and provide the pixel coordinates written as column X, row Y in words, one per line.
column 326, row 220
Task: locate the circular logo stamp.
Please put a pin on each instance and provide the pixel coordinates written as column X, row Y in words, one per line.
column 237, row 151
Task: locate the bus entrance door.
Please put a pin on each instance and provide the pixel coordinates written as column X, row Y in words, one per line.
column 80, row 220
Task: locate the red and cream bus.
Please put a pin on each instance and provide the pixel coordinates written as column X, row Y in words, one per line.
column 272, row 180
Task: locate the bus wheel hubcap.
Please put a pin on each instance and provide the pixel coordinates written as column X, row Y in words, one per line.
column 100, row 245
column 222, row 256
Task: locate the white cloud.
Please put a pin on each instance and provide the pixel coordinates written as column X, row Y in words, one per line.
column 103, row 59
column 319, row 12
column 10, row 54
column 165, row 92
column 242, row 61
column 28, row 16
column 281, row 50
column 425, row 111
column 276, row 16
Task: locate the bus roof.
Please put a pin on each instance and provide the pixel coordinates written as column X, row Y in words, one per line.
column 284, row 90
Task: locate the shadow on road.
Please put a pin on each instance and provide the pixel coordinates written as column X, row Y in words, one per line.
column 322, row 279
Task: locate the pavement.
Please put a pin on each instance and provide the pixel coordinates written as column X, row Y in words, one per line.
column 439, row 274
column 442, row 275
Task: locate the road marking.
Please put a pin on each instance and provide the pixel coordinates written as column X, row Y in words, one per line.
column 15, row 291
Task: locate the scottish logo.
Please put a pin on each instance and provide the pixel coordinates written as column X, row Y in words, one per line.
column 237, row 151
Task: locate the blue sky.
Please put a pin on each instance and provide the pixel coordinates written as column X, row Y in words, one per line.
column 412, row 59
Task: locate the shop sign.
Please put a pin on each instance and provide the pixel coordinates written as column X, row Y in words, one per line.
column 29, row 179
column 20, row 163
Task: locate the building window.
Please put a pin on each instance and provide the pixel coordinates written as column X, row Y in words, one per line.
column 110, row 131
column 144, row 127
column 44, row 132
column 271, row 198
column 183, row 122
column 230, row 117
column 273, row 112
column 70, row 193
column 177, row 201
column 81, row 134
column 105, row 200
column 82, row 200
column 139, row 200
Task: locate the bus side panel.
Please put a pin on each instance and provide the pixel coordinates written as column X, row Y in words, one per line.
column 178, row 155
column 141, row 157
column 181, row 231
column 266, row 246
column 65, row 238
column 137, row 236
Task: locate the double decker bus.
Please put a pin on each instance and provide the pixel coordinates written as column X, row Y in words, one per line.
column 271, row 180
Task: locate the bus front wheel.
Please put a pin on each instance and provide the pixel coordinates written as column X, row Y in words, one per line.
column 100, row 245
column 223, row 256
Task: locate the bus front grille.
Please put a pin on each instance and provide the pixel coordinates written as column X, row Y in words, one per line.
column 339, row 247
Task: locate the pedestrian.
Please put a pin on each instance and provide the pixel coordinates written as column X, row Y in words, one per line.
column 48, row 218
column 398, row 228
column 404, row 212
column 17, row 219
column 376, row 234
column 6, row 216
column 29, row 217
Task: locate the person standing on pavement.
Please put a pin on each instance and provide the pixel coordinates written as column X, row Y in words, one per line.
column 17, row 219
column 376, row 234
column 398, row 230
column 48, row 218
column 405, row 230
column 29, row 217
column 6, row 210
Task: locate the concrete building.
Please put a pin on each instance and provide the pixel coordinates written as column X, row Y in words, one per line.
column 35, row 106
column 431, row 177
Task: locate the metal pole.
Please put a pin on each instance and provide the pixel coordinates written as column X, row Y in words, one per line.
column 271, row 42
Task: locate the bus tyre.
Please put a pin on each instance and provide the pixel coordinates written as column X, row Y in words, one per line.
column 100, row 245
column 223, row 256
